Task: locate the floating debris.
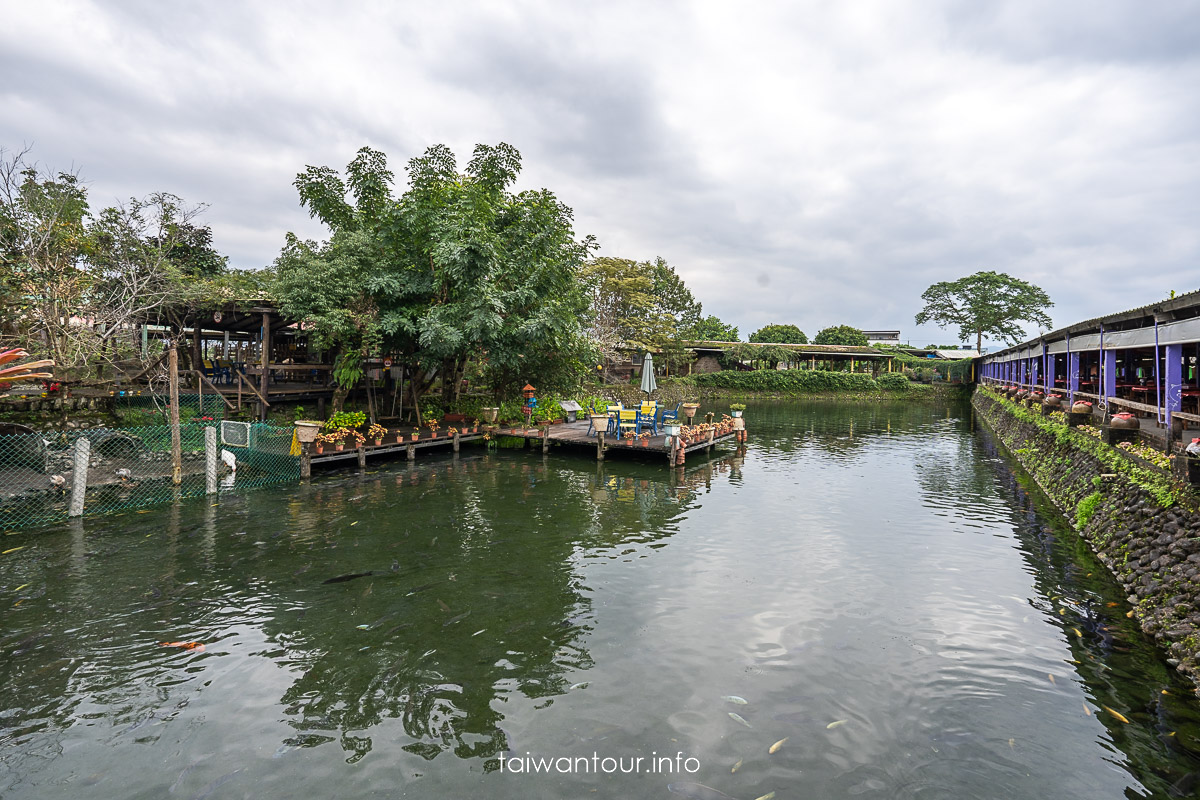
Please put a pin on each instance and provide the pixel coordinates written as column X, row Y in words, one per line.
column 197, row 646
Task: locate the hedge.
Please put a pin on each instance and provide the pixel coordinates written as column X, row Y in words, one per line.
column 801, row 381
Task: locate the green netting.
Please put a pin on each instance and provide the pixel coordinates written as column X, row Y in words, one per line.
column 131, row 468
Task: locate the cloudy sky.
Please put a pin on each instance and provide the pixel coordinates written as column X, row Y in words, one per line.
column 801, row 162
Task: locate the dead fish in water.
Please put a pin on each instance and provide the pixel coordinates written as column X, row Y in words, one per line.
column 738, row 719
column 697, row 791
column 212, row 787
column 453, row 620
column 775, row 747
column 733, row 698
column 349, row 577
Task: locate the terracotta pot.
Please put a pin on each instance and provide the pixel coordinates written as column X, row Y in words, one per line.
column 1125, row 422
column 320, row 449
column 1081, row 408
column 1053, row 401
column 416, row 436
column 399, row 438
column 341, row 446
column 645, row 442
column 433, row 435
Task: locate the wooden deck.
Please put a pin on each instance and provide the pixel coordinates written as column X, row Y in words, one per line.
column 576, row 434
column 408, row 448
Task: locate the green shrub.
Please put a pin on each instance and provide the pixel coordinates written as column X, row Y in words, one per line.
column 894, row 382
column 789, row 381
column 1086, row 508
column 346, row 419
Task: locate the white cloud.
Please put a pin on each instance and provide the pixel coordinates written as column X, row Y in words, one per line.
column 809, row 163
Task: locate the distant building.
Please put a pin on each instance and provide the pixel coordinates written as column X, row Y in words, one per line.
column 883, row 337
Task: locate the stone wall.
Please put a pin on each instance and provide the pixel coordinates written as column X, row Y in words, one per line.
column 52, row 411
column 1142, row 523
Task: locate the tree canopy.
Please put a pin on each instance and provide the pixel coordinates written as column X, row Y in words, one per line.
column 78, row 284
column 641, row 306
column 779, row 334
column 711, row 329
column 457, row 271
column 989, row 303
column 844, row 335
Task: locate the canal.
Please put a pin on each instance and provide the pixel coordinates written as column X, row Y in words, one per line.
column 867, row 601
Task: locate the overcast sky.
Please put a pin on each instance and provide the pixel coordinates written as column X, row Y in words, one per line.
column 799, row 162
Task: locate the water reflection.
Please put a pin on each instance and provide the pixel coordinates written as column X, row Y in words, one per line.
column 405, row 627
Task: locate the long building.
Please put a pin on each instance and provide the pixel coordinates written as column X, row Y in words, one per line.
column 1144, row 360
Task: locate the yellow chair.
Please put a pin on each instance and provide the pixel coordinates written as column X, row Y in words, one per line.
column 627, row 422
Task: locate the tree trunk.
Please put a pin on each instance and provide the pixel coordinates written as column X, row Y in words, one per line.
column 339, row 398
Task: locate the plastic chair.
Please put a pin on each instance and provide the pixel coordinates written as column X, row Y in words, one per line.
column 670, row 415
column 627, row 423
column 645, row 418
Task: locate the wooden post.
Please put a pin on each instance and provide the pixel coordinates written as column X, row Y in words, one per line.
column 710, row 441
column 83, row 456
column 671, row 452
column 210, row 460
column 362, row 457
column 456, row 442
column 305, row 461
column 411, row 452
column 176, row 444
column 266, row 360
column 545, row 441
column 599, row 445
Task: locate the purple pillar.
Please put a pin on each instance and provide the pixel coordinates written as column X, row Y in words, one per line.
column 1110, row 373
column 1072, row 375
column 1174, row 382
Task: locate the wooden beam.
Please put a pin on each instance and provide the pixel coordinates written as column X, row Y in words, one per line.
column 243, row 379
column 207, row 382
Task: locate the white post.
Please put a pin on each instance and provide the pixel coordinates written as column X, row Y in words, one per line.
column 210, row 459
column 83, row 455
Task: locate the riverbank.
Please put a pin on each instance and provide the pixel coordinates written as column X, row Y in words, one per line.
column 1142, row 523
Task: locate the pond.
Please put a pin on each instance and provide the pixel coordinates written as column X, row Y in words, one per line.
column 866, row 601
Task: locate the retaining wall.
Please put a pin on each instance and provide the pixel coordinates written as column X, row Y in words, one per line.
column 1140, row 520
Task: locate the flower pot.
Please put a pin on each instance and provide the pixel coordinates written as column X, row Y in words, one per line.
column 736, row 414
column 340, row 446
column 671, row 430
column 690, row 409
column 416, row 436
column 645, row 442
column 307, row 430
column 1125, row 422
column 433, row 435
column 378, row 442
column 399, row 438
column 490, row 414
column 1081, row 408
column 320, row 449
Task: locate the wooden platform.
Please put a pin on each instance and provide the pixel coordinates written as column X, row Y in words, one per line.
column 576, row 433
column 408, row 448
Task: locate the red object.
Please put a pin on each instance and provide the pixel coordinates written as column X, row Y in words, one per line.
column 199, row 646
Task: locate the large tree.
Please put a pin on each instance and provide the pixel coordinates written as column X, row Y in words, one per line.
column 989, row 303
column 77, row 285
column 712, row 329
column 458, row 270
column 641, row 306
column 779, row 334
column 843, row 335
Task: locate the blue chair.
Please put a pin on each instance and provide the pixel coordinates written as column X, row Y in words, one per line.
column 670, row 415
column 646, row 418
column 591, row 431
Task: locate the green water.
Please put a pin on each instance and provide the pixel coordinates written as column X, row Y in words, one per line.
column 874, row 581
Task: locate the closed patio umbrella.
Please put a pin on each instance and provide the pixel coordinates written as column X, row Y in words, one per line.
column 648, row 382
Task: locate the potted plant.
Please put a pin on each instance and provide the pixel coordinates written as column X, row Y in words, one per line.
column 377, row 432
column 307, row 430
column 645, row 437
column 737, row 408
column 490, row 413
column 329, row 437
column 672, row 428
column 689, row 409
column 416, row 434
column 451, row 431
column 433, row 424
column 337, row 437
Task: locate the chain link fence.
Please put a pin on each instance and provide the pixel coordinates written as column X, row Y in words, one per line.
column 48, row 476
